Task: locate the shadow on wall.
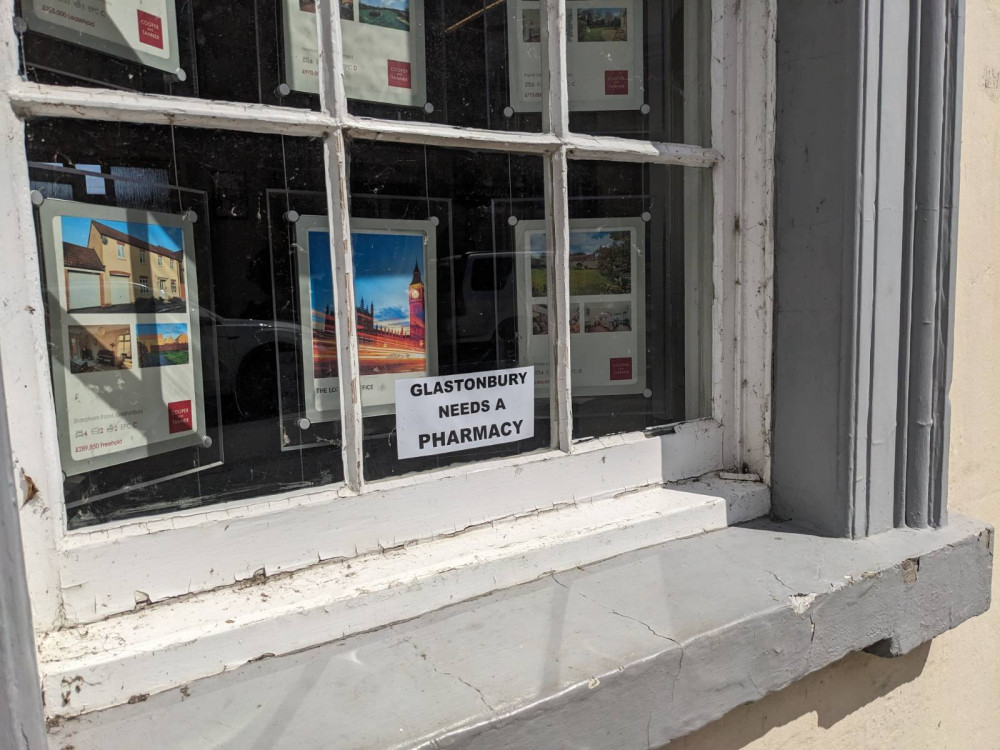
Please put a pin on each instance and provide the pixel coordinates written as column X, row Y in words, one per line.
column 832, row 693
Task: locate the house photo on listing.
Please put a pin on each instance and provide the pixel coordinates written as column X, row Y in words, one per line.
column 495, row 374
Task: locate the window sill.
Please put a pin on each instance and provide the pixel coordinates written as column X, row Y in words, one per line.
column 176, row 641
column 627, row 653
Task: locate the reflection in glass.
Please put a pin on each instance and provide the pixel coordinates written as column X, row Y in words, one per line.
column 197, row 344
column 639, row 70
column 457, row 292
column 640, row 295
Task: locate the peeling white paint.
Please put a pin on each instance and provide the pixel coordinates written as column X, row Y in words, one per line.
column 179, row 641
column 801, row 602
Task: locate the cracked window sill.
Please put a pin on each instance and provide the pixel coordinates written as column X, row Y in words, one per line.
column 630, row 652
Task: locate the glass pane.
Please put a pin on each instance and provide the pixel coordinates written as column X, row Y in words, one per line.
column 640, row 295
column 443, row 61
column 638, row 69
column 475, row 63
column 173, row 346
column 232, row 52
column 438, row 296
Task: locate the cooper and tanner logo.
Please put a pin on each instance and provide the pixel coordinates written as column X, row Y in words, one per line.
column 621, row 368
column 615, row 82
column 399, row 74
column 150, row 29
column 180, row 416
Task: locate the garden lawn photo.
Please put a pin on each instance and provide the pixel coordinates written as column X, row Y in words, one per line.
column 601, row 25
column 537, row 253
column 162, row 344
column 599, row 263
column 391, row 14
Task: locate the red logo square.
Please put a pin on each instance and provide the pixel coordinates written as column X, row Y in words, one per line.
column 180, row 415
column 150, row 29
column 615, row 82
column 399, row 74
column 621, row 368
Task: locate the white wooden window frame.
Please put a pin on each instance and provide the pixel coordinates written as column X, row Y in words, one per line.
column 86, row 575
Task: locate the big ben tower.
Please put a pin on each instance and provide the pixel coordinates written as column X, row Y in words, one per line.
column 417, row 306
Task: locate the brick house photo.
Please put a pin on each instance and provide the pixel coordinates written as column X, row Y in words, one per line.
column 118, row 267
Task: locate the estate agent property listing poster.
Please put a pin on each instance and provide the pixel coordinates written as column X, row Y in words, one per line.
column 394, row 297
column 607, row 304
column 603, row 55
column 123, row 306
column 141, row 30
column 383, row 49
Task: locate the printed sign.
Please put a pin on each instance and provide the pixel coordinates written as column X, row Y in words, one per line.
column 394, row 294
column 124, row 323
column 603, row 55
column 459, row 412
column 141, row 30
column 607, row 303
column 383, row 49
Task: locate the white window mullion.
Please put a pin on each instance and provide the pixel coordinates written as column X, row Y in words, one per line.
column 348, row 369
column 334, row 101
column 555, row 121
column 555, row 89
column 333, row 96
column 557, row 230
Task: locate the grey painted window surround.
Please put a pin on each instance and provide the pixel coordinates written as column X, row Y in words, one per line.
column 867, row 155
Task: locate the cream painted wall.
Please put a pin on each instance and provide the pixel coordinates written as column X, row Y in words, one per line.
column 945, row 694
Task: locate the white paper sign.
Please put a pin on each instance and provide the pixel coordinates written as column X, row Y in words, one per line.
column 604, row 68
column 140, row 30
column 458, row 412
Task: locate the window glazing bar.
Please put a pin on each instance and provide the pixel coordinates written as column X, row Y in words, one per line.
column 431, row 134
column 555, row 120
column 37, row 100
column 333, row 96
column 555, row 89
column 610, row 148
column 557, row 231
column 334, row 101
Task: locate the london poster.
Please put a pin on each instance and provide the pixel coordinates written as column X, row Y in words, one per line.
column 393, row 295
